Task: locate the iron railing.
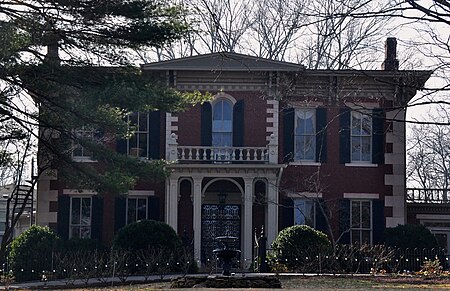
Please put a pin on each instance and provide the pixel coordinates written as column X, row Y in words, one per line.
column 421, row 195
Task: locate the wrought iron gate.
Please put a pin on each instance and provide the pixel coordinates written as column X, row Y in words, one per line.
column 219, row 220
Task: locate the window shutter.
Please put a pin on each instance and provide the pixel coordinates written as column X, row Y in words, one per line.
column 378, row 136
column 378, row 221
column 288, row 213
column 238, row 124
column 153, row 208
column 321, row 135
column 344, row 136
column 121, row 146
column 344, row 221
column 288, row 132
column 321, row 221
column 97, row 218
column 120, row 212
column 63, row 216
column 154, row 138
column 206, row 124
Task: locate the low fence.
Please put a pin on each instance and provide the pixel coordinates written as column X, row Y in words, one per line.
column 356, row 259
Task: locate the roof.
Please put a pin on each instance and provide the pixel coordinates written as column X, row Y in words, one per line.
column 224, row 61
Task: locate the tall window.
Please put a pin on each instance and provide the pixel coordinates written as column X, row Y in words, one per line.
column 136, row 209
column 80, row 217
column 361, row 221
column 304, row 212
column 222, row 123
column 361, row 137
column 305, row 134
column 80, row 152
column 138, row 144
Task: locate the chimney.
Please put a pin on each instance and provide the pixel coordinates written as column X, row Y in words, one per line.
column 51, row 40
column 390, row 51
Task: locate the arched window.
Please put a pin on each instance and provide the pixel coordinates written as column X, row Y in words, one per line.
column 222, row 123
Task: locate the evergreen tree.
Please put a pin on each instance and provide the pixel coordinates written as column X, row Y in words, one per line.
column 66, row 65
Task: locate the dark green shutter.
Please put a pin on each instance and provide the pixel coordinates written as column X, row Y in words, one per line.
column 121, row 146
column 238, row 124
column 321, row 220
column 120, row 212
column 378, row 136
column 378, row 221
column 97, row 218
column 153, row 208
column 344, row 136
column 154, row 138
column 344, row 221
column 288, row 135
column 321, row 136
column 288, row 213
column 63, row 216
column 206, row 124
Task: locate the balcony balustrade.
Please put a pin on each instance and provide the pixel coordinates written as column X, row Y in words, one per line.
column 421, row 195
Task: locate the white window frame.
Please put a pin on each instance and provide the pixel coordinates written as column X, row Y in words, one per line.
column 361, row 229
column 137, row 198
column 298, row 211
column 80, row 225
column 86, row 134
column 135, row 151
column 361, row 136
column 312, row 135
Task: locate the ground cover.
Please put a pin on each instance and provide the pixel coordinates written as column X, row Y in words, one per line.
column 313, row 283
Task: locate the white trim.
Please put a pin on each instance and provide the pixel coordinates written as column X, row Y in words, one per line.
column 433, row 216
column 80, row 159
column 356, row 164
column 223, row 95
column 363, row 196
column 141, row 193
column 304, row 195
column 305, row 163
column 81, row 192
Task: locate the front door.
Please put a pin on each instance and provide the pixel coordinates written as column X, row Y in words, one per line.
column 219, row 220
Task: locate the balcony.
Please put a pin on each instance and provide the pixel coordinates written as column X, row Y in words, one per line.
column 222, row 155
column 420, row 195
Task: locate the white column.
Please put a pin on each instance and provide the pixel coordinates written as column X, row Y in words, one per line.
column 172, row 214
column 272, row 211
column 248, row 223
column 197, row 219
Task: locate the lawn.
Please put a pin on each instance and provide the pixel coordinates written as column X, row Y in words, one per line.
column 319, row 283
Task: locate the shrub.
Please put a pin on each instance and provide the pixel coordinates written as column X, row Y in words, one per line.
column 299, row 246
column 410, row 236
column 31, row 253
column 147, row 234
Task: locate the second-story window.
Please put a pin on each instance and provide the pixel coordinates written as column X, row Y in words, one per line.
column 81, row 152
column 222, row 123
column 361, row 137
column 138, row 144
column 305, row 134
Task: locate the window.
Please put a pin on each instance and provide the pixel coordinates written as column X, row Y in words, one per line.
column 80, row 217
column 304, row 212
column 80, row 152
column 138, row 144
column 361, row 221
column 361, row 137
column 305, row 134
column 136, row 209
column 222, row 124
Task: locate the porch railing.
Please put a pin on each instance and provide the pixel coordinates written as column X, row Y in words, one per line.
column 223, row 154
column 421, row 195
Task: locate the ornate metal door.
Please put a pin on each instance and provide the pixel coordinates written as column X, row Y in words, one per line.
column 219, row 220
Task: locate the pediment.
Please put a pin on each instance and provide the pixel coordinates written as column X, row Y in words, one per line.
column 223, row 62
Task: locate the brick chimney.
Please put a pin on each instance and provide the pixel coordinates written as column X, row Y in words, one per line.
column 51, row 40
column 390, row 50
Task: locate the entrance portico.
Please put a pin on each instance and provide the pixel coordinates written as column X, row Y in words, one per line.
column 210, row 180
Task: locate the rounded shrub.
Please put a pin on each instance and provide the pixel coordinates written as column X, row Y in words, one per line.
column 298, row 246
column 410, row 236
column 147, row 234
column 31, row 253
